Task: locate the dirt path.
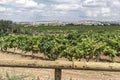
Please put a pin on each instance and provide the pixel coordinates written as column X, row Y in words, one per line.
column 48, row 74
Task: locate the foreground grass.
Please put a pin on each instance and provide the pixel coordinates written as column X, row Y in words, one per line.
column 16, row 77
column 21, row 77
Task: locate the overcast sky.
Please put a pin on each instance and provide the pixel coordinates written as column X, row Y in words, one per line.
column 60, row 10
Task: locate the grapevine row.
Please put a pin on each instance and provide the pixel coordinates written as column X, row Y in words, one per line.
column 73, row 46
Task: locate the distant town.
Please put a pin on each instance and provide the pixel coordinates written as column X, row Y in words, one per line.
column 78, row 23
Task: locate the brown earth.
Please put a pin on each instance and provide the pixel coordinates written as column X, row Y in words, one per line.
column 48, row 74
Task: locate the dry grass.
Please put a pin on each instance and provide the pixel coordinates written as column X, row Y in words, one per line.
column 48, row 74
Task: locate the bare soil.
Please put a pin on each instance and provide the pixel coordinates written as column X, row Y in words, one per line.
column 48, row 74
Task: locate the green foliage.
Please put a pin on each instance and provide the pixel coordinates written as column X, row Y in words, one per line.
column 72, row 46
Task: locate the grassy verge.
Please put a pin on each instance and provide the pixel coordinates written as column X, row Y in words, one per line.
column 7, row 76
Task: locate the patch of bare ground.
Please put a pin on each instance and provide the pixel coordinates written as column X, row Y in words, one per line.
column 48, row 74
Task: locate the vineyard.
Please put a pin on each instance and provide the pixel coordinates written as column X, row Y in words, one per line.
column 59, row 48
column 75, row 45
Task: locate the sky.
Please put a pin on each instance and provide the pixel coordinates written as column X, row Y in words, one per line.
column 60, row 10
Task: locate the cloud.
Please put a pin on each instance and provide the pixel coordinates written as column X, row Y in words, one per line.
column 21, row 6
column 116, row 3
column 66, row 1
column 3, row 2
column 21, row 3
column 102, row 12
column 21, row 10
column 94, row 3
column 66, row 7
column 2, row 9
column 105, row 10
column 26, row 3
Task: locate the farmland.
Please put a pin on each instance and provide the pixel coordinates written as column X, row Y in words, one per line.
column 70, row 43
column 73, row 45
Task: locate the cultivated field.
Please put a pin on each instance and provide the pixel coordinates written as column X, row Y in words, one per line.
column 68, row 43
